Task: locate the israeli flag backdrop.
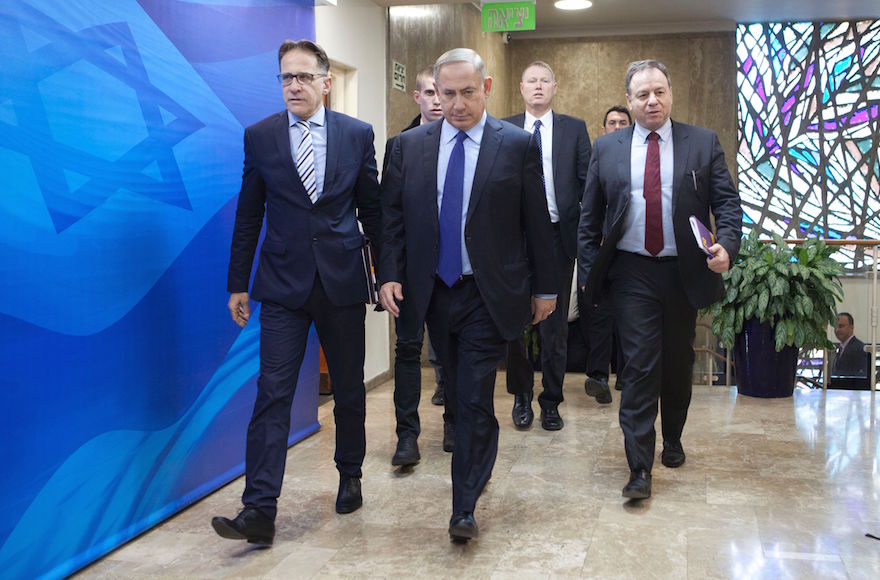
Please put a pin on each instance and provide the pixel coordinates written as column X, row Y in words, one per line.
column 126, row 388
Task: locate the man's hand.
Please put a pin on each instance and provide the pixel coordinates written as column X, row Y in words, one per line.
column 240, row 308
column 542, row 308
column 389, row 295
column 720, row 260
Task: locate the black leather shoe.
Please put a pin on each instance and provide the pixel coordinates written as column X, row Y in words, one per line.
column 598, row 388
column 550, row 419
column 463, row 527
column 407, row 452
column 618, row 385
column 522, row 411
column 250, row 524
column 673, row 454
column 448, row 437
column 437, row 397
column 349, row 498
column 639, row 485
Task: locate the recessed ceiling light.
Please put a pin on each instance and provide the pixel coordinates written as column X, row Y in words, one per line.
column 573, row 4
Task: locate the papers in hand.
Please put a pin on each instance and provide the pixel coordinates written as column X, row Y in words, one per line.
column 369, row 259
column 704, row 238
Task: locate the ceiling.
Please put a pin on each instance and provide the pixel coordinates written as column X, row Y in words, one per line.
column 612, row 17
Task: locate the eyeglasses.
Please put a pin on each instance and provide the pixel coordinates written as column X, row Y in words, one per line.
column 301, row 78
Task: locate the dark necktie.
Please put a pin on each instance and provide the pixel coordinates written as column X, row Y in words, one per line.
column 540, row 150
column 449, row 265
column 651, row 192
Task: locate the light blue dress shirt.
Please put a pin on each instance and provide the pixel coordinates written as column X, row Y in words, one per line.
column 318, row 128
column 471, row 153
column 633, row 239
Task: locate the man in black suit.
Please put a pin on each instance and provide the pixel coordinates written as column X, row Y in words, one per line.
column 643, row 185
column 312, row 172
column 466, row 226
column 409, row 327
column 565, row 155
column 849, row 369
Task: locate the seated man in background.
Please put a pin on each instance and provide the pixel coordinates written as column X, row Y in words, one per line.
column 849, row 369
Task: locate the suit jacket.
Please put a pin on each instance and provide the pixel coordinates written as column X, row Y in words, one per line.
column 302, row 238
column 571, row 160
column 606, row 200
column 507, row 207
column 853, row 361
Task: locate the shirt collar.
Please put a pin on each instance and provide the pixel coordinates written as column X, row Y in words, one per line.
column 640, row 134
column 546, row 119
column 316, row 119
column 448, row 132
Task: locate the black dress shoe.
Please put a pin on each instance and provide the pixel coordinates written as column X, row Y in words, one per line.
column 598, row 388
column 550, row 419
column 448, row 437
column 349, row 497
column 522, row 411
column 639, row 485
column 437, row 397
column 463, row 527
column 618, row 385
column 673, row 454
column 250, row 524
column 407, row 452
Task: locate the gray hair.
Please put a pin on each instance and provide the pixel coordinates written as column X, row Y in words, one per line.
column 543, row 65
column 461, row 55
column 640, row 65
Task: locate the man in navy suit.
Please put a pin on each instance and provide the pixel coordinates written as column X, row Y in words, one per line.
column 466, row 226
column 565, row 156
column 849, row 368
column 312, row 172
column 644, row 183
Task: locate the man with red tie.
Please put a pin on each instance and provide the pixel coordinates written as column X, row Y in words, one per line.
column 644, row 182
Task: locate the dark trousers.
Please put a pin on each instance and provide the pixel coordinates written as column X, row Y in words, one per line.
column 410, row 331
column 553, row 334
column 656, row 326
column 470, row 348
column 597, row 324
column 283, row 336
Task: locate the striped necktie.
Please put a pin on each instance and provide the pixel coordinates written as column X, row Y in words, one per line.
column 305, row 161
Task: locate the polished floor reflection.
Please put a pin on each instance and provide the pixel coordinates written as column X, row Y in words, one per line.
column 783, row 488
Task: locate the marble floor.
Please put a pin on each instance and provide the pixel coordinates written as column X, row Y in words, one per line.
column 783, row 488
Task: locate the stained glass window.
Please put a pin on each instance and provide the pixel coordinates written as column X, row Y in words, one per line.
column 809, row 131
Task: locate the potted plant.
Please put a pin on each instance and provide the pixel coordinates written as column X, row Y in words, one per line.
column 778, row 299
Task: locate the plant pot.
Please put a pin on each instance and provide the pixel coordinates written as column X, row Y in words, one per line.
column 760, row 370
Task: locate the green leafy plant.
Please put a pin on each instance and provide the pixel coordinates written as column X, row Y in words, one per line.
column 795, row 289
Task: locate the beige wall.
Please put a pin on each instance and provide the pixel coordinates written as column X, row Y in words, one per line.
column 420, row 34
column 591, row 72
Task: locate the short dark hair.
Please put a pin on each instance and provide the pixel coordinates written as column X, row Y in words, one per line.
column 308, row 46
column 640, row 65
column 848, row 317
column 617, row 109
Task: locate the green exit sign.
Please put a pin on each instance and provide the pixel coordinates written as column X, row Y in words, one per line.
column 508, row 16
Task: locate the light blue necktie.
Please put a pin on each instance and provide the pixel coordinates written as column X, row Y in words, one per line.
column 449, row 265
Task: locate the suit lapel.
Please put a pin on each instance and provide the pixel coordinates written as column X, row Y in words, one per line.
column 430, row 154
column 334, row 138
column 489, row 147
column 282, row 141
column 558, row 132
column 680, row 151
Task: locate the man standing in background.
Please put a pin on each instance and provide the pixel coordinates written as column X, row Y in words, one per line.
column 409, row 327
column 565, row 155
column 312, row 173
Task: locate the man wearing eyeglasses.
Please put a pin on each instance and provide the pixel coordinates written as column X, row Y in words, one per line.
column 312, row 172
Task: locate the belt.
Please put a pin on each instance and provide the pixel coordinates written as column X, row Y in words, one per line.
column 655, row 259
column 462, row 280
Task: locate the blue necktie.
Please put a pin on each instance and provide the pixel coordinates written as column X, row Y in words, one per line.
column 449, row 265
column 305, row 161
column 540, row 150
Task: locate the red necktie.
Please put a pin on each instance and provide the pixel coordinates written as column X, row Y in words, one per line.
column 651, row 192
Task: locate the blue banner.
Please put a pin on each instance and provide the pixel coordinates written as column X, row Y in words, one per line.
column 126, row 387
